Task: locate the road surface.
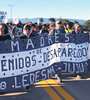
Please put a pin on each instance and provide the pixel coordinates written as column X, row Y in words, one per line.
column 71, row 88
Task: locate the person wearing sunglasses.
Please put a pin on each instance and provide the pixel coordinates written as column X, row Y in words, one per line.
column 58, row 29
column 27, row 32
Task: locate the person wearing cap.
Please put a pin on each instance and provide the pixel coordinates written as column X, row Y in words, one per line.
column 27, row 32
column 58, row 29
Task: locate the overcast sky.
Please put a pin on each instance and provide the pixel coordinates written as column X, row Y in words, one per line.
column 75, row 9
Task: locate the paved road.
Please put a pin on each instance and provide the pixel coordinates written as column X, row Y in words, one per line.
column 71, row 88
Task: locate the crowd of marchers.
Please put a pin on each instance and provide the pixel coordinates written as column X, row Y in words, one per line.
column 12, row 31
column 20, row 30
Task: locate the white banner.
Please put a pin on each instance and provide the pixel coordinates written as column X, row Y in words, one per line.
column 19, row 62
column 3, row 17
column 16, row 20
column 27, row 61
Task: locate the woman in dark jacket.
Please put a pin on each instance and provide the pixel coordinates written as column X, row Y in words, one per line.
column 27, row 34
column 4, row 32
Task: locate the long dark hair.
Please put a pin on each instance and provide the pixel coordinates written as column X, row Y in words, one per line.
column 5, row 28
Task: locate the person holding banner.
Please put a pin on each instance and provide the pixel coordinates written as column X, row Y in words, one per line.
column 68, row 28
column 44, row 31
column 58, row 30
column 33, row 31
column 78, row 29
column 4, row 32
column 4, row 35
column 27, row 34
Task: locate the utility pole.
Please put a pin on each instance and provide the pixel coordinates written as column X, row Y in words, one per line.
column 11, row 6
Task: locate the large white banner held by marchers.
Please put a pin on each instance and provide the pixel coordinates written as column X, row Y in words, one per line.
column 26, row 61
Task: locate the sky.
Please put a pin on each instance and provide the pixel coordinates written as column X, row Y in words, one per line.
column 74, row 9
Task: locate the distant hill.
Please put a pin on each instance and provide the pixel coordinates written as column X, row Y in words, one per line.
column 23, row 20
column 78, row 20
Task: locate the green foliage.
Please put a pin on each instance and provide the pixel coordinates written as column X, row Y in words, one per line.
column 71, row 24
column 41, row 20
column 75, row 22
column 52, row 20
column 64, row 20
column 86, row 25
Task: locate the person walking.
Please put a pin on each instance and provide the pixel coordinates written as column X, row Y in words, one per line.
column 58, row 29
column 27, row 34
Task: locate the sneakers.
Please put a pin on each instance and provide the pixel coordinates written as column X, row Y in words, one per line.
column 58, row 78
column 2, row 93
column 28, row 89
column 79, row 76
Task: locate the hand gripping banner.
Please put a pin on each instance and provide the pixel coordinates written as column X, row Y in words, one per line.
column 27, row 61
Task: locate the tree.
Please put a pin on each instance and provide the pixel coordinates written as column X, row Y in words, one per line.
column 52, row 20
column 64, row 20
column 86, row 25
column 41, row 20
column 76, row 22
column 71, row 24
